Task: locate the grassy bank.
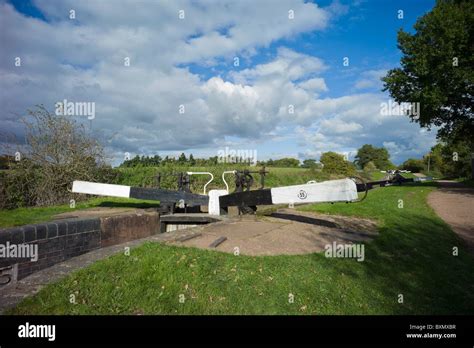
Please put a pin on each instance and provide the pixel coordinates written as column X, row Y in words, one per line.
column 32, row 215
column 412, row 256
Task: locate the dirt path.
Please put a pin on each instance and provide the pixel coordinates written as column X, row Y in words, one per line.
column 454, row 203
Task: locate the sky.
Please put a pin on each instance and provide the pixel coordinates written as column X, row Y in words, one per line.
column 284, row 78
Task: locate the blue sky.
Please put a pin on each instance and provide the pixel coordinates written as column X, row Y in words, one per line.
column 189, row 62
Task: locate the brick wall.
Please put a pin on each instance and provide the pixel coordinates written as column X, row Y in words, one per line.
column 123, row 228
column 56, row 241
column 60, row 240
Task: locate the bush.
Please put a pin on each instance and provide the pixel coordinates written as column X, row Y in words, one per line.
column 58, row 151
column 370, row 167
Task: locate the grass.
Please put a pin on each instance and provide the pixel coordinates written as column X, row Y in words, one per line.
column 412, row 256
column 31, row 215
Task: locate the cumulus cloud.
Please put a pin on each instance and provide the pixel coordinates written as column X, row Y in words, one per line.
column 138, row 106
column 316, row 84
column 370, row 79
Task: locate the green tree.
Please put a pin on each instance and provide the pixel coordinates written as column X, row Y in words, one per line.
column 182, row 158
column 285, row 162
column 192, row 161
column 437, row 69
column 451, row 159
column 413, row 165
column 335, row 163
column 378, row 155
column 310, row 163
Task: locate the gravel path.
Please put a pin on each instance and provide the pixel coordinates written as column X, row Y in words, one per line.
column 454, row 203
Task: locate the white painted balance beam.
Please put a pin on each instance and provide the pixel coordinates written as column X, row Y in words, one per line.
column 95, row 188
column 344, row 190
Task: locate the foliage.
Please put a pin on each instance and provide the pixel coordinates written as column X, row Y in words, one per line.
column 437, row 69
column 370, row 167
column 182, row 160
column 311, row 163
column 144, row 161
column 378, row 155
column 335, row 163
column 452, row 159
column 146, row 176
column 58, row 151
column 413, row 165
column 5, row 161
column 286, row 162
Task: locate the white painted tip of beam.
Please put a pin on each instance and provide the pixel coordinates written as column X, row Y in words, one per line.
column 214, row 206
column 94, row 188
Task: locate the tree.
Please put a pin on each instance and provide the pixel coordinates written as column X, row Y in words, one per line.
column 58, row 151
column 378, row 155
column 437, row 70
column 192, row 161
column 413, row 165
column 450, row 159
column 310, row 163
column 182, row 159
column 335, row 163
column 286, row 162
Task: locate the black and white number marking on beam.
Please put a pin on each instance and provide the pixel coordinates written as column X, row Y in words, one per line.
column 344, row 190
column 302, row 194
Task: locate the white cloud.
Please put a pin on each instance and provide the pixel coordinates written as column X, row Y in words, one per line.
column 83, row 60
column 288, row 66
column 316, row 84
column 370, row 79
column 337, row 126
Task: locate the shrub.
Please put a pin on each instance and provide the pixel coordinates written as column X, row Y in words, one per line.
column 58, row 151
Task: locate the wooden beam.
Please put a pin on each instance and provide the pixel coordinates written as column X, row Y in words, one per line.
column 217, row 242
column 154, row 194
column 185, row 238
